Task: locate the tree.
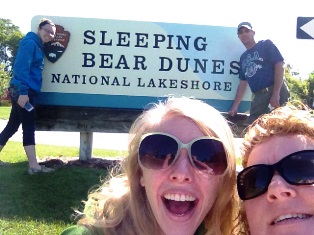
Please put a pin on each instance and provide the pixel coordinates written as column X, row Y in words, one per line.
column 4, row 83
column 10, row 35
column 300, row 89
column 310, row 84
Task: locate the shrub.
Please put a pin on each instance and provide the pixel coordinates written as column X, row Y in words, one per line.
column 4, row 83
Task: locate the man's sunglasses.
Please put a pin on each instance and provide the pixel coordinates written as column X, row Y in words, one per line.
column 296, row 169
column 158, row 151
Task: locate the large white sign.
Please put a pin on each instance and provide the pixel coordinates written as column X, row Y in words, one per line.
column 127, row 64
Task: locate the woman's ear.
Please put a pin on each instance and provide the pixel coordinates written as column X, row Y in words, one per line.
column 142, row 182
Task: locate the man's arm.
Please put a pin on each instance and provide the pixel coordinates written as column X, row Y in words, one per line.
column 240, row 93
column 278, row 80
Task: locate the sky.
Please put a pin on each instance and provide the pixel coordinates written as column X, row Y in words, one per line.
column 271, row 19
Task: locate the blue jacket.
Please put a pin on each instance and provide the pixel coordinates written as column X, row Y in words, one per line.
column 28, row 64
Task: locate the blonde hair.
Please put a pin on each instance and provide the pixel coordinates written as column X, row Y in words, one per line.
column 130, row 211
column 292, row 119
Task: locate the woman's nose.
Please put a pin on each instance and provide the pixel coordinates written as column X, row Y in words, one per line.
column 279, row 189
column 182, row 170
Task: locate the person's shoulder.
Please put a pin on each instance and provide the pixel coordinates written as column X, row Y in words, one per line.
column 266, row 42
column 30, row 35
column 77, row 230
column 30, row 39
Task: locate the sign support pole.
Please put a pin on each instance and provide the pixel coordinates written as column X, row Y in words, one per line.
column 86, row 145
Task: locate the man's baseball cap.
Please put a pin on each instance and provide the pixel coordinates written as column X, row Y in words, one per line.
column 245, row 24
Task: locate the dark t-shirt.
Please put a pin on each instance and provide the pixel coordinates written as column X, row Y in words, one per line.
column 257, row 65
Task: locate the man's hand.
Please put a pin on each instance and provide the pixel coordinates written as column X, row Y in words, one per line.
column 274, row 100
column 22, row 100
column 233, row 111
column 237, row 100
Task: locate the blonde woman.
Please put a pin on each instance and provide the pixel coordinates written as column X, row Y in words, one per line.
column 179, row 176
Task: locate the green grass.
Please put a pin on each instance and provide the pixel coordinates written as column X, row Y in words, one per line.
column 43, row 204
column 14, row 152
column 5, row 112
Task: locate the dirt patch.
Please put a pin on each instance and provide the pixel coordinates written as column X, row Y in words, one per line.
column 95, row 162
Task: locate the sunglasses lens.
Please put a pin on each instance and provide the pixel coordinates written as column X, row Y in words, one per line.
column 157, row 151
column 253, row 181
column 298, row 168
column 209, row 154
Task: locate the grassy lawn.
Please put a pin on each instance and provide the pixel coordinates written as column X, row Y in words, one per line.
column 43, row 204
column 4, row 112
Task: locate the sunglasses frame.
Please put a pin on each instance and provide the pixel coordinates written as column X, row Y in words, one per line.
column 180, row 146
column 276, row 167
